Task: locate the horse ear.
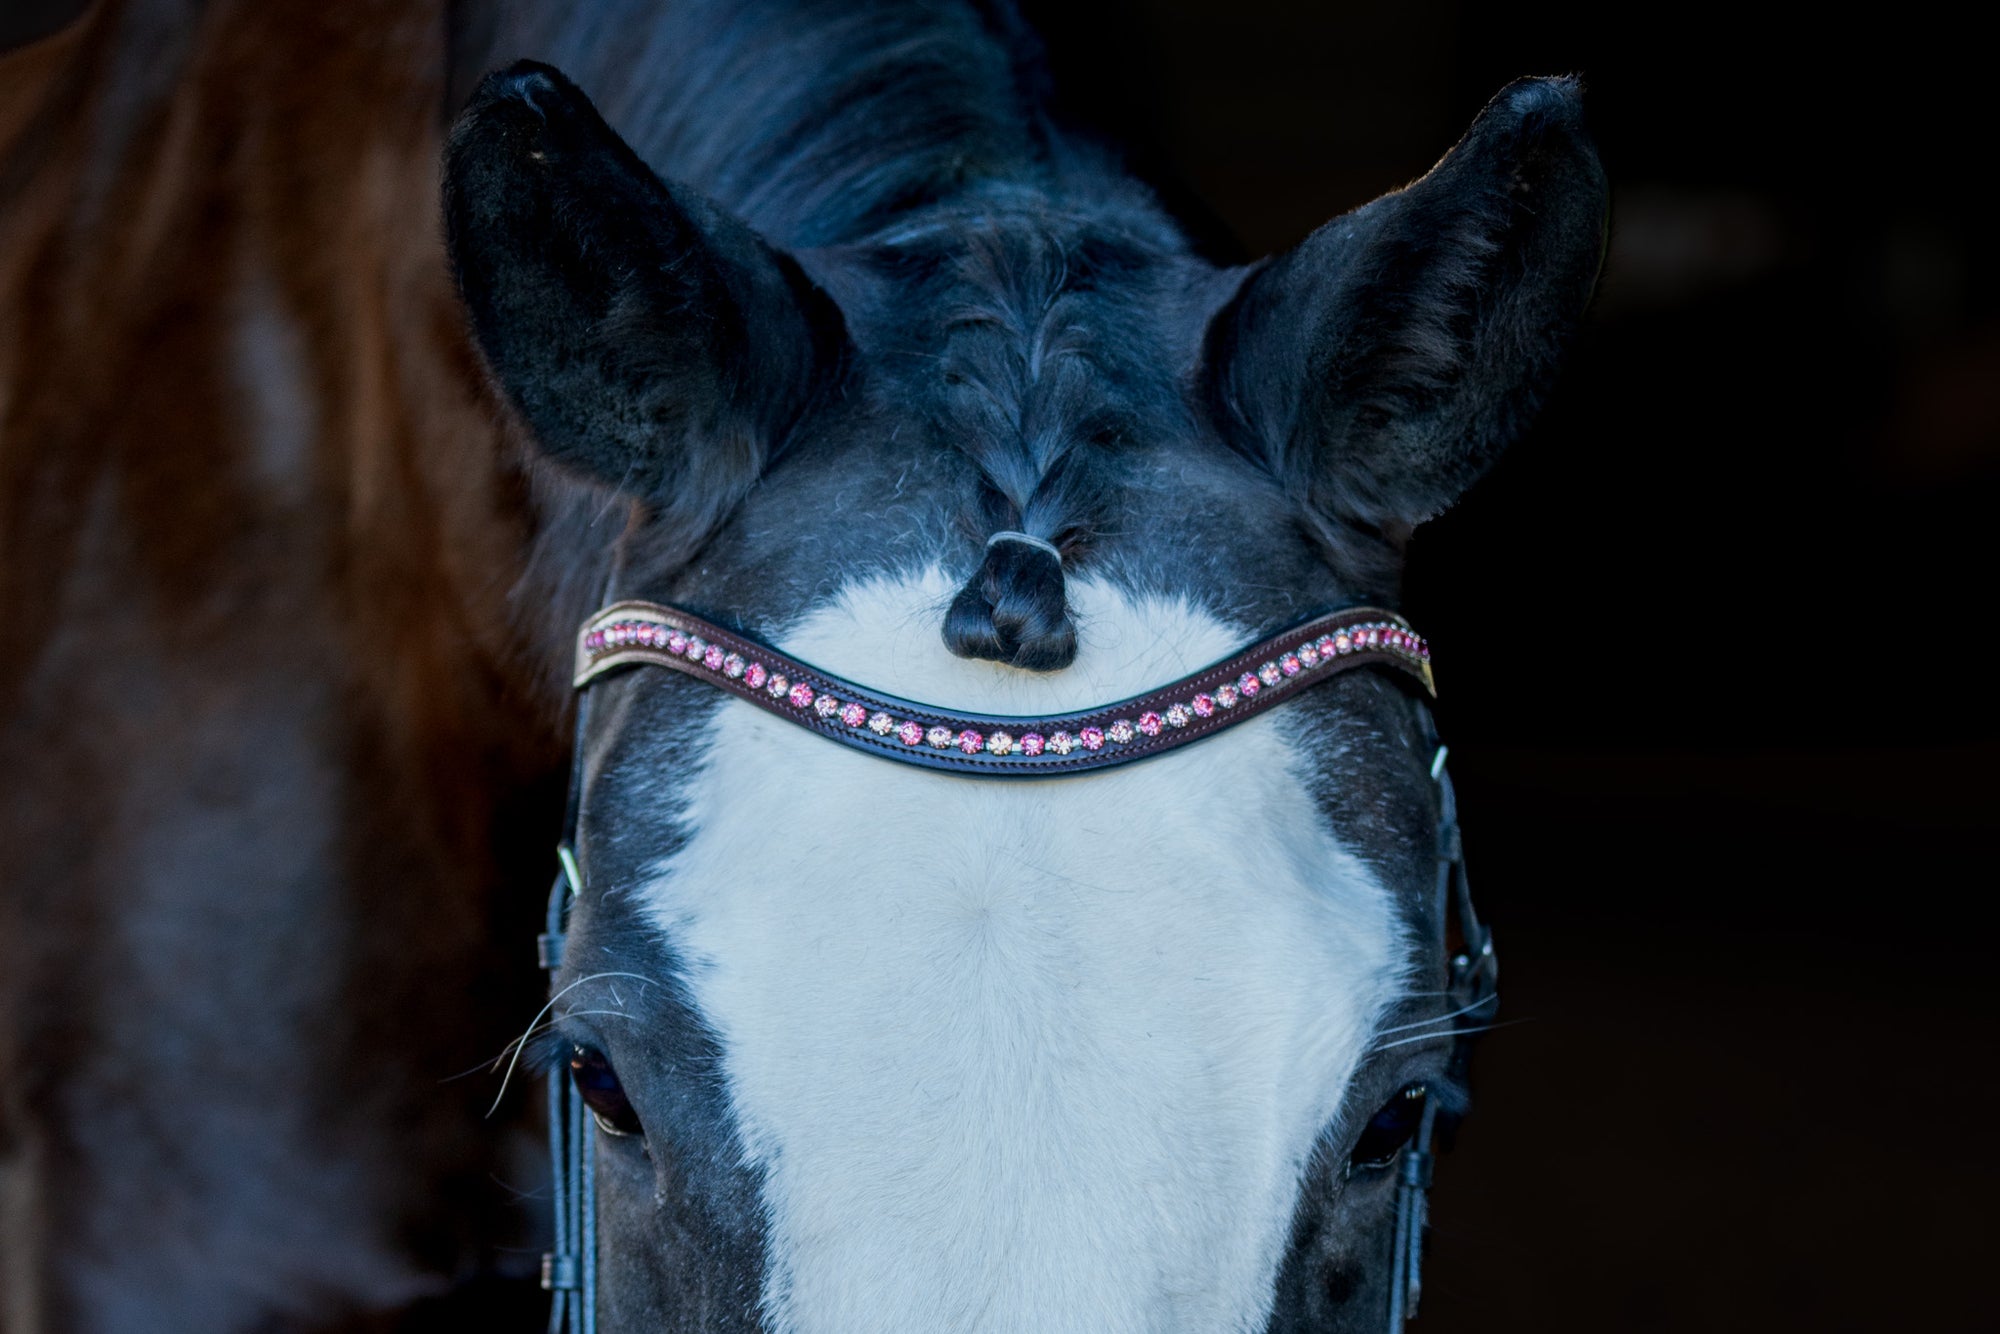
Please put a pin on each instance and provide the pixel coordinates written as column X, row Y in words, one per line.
column 647, row 337
column 1382, row 366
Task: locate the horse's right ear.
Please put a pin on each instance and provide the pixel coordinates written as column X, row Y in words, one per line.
column 647, row 337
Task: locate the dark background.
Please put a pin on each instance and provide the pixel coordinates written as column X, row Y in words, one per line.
column 1707, row 639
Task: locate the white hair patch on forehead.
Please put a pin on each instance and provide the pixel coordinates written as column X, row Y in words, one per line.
column 1023, row 1056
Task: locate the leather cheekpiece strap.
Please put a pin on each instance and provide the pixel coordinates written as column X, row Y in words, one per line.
column 1241, row 686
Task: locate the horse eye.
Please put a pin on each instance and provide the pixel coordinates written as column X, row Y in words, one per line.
column 602, row 1093
column 1390, row 1128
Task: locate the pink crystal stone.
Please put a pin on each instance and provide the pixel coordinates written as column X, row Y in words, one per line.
column 754, row 675
column 801, row 695
column 1289, row 664
column 1032, row 743
column 1149, row 723
column 1091, row 738
column 1325, row 646
column 711, row 658
column 1226, row 696
column 970, row 741
column 910, row 734
column 677, row 642
column 1269, row 674
column 1248, row 684
column 854, row 715
column 1204, row 705
column 1062, row 743
column 1000, row 743
column 940, row 738
column 1424, row 650
column 881, row 724
column 1179, row 715
column 1122, row 731
column 825, row 705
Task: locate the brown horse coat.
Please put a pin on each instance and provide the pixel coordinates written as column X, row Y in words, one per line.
column 256, row 545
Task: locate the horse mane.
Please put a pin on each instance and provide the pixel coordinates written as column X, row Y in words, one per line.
column 826, row 123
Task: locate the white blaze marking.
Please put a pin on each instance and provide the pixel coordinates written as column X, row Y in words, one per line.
column 1034, row 1057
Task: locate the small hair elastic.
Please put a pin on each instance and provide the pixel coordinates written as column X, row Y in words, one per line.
column 1009, row 535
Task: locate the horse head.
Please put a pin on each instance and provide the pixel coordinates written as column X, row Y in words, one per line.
column 871, row 1047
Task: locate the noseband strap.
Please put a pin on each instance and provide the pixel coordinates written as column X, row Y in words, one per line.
column 997, row 746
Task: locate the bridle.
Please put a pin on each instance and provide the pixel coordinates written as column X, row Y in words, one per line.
column 1219, row 696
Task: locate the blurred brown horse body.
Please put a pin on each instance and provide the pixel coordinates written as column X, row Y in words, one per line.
column 257, row 678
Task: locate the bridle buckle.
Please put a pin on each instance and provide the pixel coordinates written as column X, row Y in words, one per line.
column 559, row 1272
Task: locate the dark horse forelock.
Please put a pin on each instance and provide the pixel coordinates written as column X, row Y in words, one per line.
column 1037, row 374
column 1024, row 379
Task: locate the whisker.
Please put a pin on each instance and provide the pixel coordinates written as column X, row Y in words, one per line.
column 493, row 1063
column 1448, row 1033
column 533, row 1027
column 578, row 1014
column 1439, row 1019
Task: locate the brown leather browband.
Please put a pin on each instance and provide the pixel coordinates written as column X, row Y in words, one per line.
column 993, row 746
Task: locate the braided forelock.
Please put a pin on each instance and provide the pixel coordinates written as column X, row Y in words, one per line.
column 1026, row 390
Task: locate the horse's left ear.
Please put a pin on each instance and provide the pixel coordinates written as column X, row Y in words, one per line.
column 647, row 337
column 1383, row 365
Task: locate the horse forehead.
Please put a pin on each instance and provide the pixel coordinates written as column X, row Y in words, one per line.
column 1022, row 1056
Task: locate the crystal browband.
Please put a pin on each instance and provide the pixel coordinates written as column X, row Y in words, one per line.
column 1241, row 686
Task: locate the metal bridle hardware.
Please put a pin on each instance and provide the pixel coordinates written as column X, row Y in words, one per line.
column 569, row 1271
